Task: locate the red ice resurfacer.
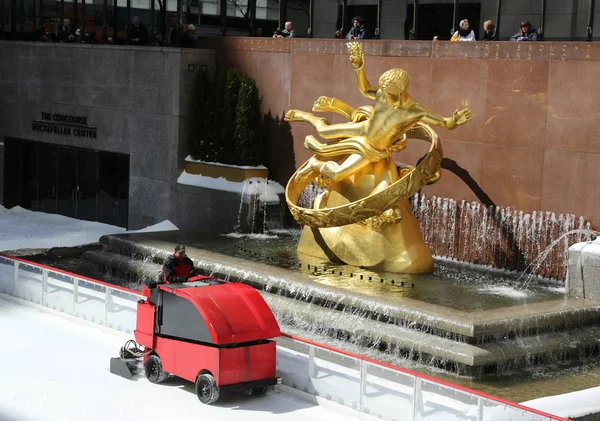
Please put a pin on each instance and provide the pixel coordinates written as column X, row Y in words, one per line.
column 214, row 333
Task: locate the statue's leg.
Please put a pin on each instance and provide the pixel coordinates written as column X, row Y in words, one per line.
column 326, row 130
column 350, row 166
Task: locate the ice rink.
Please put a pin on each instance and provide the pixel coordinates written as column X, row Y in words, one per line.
column 56, row 368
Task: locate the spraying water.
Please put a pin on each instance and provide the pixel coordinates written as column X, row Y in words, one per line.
column 239, row 220
column 533, row 266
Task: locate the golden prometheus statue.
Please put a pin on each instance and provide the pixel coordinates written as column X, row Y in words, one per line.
column 364, row 218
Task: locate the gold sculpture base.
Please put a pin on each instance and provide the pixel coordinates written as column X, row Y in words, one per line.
column 391, row 242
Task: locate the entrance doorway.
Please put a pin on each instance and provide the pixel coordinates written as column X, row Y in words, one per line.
column 436, row 19
column 78, row 183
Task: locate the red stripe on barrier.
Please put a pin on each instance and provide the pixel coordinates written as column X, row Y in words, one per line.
column 74, row 275
column 424, row 376
column 329, row 348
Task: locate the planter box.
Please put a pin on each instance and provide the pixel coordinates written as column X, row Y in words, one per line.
column 228, row 172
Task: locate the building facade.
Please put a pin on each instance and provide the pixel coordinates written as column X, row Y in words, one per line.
column 96, row 133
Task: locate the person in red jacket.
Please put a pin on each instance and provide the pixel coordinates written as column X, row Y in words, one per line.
column 178, row 266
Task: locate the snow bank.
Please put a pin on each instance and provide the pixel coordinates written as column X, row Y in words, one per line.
column 21, row 228
column 25, row 229
column 267, row 190
column 161, row 226
column 569, row 405
column 243, row 167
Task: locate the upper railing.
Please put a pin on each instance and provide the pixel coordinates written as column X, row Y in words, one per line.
column 363, row 384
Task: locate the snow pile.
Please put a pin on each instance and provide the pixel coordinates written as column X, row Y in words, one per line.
column 569, row 405
column 243, row 167
column 268, row 191
column 25, row 229
column 161, row 226
column 21, row 228
column 250, row 236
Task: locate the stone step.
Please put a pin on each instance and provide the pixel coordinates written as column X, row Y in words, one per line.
column 470, row 327
column 459, row 357
column 123, row 266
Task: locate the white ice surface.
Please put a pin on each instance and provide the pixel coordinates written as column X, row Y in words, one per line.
column 56, row 369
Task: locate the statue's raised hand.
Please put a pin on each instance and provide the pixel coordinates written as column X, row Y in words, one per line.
column 462, row 116
column 357, row 54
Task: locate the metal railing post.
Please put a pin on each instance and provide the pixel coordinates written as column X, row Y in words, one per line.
column 414, row 32
column 454, row 18
column 311, row 18
column 590, row 25
column 128, row 17
column 223, row 13
column 542, row 21
column 378, row 28
column 16, row 272
column 107, row 304
column 45, row 287
column 363, row 384
column 416, row 406
column 105, row 21
column 479, row 408
column 75, row 292
column 498, row 10
column 344, row 5
column 282, row 14
column 311, row 361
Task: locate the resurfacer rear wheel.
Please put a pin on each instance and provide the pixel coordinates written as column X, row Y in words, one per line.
column 154, row 371
column 207, row 389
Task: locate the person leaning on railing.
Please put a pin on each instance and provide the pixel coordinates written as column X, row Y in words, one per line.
column 464, row 33
column 527, row 33
column 489, row 31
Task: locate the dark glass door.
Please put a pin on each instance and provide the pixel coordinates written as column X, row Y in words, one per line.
column 77, row 183
column 47, row 173
column 66, row 184
column 113, row 194
column 87, row 185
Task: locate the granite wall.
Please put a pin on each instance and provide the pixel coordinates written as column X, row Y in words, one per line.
column 138, row 98
column 531, row 144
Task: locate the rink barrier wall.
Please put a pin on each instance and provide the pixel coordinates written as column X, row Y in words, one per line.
column 368, row 386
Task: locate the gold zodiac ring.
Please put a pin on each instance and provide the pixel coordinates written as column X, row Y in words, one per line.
column 426, row 172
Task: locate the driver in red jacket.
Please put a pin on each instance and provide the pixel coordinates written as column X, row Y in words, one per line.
column 178, row 266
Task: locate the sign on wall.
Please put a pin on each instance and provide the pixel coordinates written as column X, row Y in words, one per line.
column 64, row 124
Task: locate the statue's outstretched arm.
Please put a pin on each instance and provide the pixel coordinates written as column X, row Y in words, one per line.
column 357, row 58
column 449, row 123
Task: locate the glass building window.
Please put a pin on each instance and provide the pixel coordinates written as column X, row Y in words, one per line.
column 210, row 7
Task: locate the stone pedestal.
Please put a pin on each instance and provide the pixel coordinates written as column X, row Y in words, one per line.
column 583, row 274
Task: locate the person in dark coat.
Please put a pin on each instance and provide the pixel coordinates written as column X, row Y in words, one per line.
column 138, row 34
column 178, row 266
column 527, row 33
column 358, row 30
column 489, row 31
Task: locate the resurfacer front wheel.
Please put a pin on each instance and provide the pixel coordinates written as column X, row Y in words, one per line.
column 207, row 389
column 154, row 371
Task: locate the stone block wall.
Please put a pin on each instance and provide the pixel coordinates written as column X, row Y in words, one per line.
column 137, row 97
column 532, row 143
